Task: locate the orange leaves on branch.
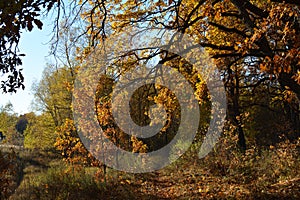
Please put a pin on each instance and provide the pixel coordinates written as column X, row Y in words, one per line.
column 138, row 146
column 286, row 62
column 69, row 144
column 296, row 77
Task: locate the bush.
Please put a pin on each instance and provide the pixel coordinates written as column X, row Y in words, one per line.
column 260, row 166
column 10, row 173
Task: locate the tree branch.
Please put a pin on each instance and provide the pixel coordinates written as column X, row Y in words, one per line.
column 296, row 2
column 226, row 29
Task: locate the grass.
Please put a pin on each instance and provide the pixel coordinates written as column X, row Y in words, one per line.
column 272, row 173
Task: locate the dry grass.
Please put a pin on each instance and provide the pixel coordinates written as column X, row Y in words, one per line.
column 272, row 173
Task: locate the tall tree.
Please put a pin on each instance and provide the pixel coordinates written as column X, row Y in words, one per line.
column 253, row 42
column 53, row 95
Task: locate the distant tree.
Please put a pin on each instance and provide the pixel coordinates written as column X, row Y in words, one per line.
column 2, row 137
column 21, row 124
column 7, row 118
column 40, row 131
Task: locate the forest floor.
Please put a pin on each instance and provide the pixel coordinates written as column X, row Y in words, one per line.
column 44, row 176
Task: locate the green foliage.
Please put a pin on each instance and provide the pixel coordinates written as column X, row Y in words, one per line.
column 52, row 94
column 8, row 120
column 40, row 132
column 60, row 182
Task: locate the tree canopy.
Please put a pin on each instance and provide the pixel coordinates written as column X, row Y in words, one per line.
column 252, row 45
column 255, row 44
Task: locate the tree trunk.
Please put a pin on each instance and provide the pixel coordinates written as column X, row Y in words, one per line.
column 234, row 93
column 286, row 80
column 238, row 122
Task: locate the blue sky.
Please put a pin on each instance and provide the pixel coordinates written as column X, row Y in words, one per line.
column 34, row 45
